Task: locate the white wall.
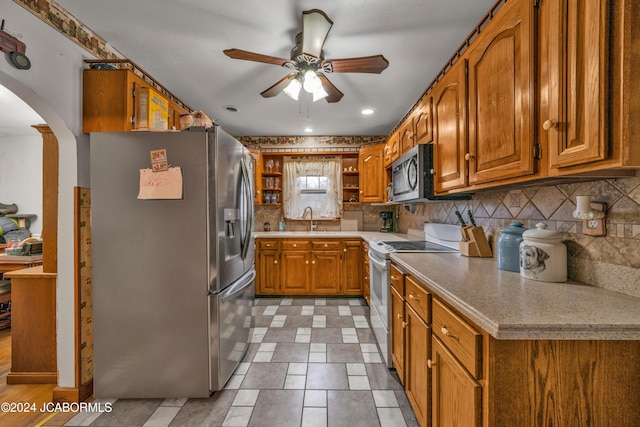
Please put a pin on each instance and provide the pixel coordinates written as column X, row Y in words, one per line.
column 52, row 87
column 21, row 175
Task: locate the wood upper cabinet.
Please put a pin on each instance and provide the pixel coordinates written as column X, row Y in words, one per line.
column 501, row 96
column 575, row 78
column 257, row 178
column 391, row 149
column 423, row 122
column 371, row 174
column 352, row 268
column 406, row 135
column 450, row 129
column 456, row 395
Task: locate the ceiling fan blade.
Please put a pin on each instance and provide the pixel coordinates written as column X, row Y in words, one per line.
column 257, row 57
column 278, row 86
column 366, row 64
column 334, row 93
column 315, row 27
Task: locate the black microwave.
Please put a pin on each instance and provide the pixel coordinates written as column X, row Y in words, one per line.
column 412, row 177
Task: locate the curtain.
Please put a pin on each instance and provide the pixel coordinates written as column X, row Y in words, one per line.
column 324, row 204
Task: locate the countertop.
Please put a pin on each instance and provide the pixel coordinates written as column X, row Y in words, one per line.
column 365, row 235
column 509, row 306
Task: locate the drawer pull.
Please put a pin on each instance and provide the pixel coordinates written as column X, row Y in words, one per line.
column 394, row 277
column 446, row 333
column 325, row 245
column 268, row 245
column 430, row 363
column 411, row 296
column 295, row 245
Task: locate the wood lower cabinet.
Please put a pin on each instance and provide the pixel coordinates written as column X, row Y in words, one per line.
column 456, row 395
column 309, row 267
column 352, row 268
column 398, row 326
column 417, row 375
column 475, row 379
column 366, row 274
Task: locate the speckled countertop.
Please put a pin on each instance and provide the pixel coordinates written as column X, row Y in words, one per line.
column 365, row 235
column 508, row 306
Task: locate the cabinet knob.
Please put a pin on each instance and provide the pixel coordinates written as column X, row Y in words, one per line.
column 394, row 277
column 325, row 245
column 268, row 245
column 404, row 324
column 344, row 250
column 446, row 333
column 306, row 262
column 295, row 245
column 412, row 296
column 313, row 262
column 430, row 363
column 399, row 316
column 548, row 124
column 469, row 156
column 275, row 261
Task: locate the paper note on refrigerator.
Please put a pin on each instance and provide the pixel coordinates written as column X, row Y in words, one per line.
column 160, row 185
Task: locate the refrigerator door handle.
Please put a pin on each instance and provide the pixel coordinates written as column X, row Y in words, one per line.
column 248, row 221
column 239, row 286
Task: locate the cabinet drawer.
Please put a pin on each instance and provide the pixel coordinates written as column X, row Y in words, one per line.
column 418, row 298
column 326, row 245
column 267, row 244
column 397, row 279
column 296, row 244
column 459, row 337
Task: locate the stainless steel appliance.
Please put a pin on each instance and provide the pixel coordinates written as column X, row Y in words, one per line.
column 438, row 238
column 173, row 280
column 412, row 177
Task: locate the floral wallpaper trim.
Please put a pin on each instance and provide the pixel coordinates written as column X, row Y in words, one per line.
column 317, row 143
column 54, row 15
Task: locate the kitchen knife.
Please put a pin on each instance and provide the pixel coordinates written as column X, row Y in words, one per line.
column 459, row 215
column 471, row 220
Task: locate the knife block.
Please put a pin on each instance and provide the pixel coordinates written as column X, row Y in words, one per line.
column 475, row 243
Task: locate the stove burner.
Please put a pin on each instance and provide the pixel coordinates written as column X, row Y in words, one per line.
column 417, row 246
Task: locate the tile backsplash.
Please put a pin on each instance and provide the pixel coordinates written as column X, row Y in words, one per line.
column 611, row 262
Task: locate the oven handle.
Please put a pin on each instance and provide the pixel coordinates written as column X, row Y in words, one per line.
column 380, row 265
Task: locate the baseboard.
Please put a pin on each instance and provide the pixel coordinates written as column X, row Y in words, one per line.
column 32, row 378
column 73, row 394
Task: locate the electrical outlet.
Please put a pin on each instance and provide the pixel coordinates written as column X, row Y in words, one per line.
column 592, row 223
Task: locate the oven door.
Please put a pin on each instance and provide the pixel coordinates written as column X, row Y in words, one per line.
column 379, row 313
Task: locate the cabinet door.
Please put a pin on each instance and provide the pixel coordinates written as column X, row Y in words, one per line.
column 257, row 179
column 501, row 96
column 268, row 269
column 450, row 129
column 397, row 333
column 423, row 122
column 295, row 272
column 406, row 136
column 575, row 121
column 325, row 272
column 456, row 394
column 417, row 376
column 352, row 268
column 366, row 284
column 371, row 178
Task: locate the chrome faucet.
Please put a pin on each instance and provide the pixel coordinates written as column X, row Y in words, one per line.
column 312, row 226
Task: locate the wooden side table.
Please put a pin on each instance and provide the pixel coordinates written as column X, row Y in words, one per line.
column 33, row 327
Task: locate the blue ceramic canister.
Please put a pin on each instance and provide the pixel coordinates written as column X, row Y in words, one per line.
column 509, row 247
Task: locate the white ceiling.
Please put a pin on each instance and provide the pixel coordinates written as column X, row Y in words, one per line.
column 180, row 44
column 17, row 116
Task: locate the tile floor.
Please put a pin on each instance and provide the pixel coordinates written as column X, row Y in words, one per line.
column 311, row 362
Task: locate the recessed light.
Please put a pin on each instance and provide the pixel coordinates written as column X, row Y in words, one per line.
column 231, row 108
column 308, row 130
column 367, row 111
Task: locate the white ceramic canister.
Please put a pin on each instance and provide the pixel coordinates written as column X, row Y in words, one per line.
column 543, row 256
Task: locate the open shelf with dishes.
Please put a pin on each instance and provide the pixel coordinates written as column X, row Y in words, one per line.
column 271, row 180
column 350, row 179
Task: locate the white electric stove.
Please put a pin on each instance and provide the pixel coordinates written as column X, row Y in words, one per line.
column 437, row 238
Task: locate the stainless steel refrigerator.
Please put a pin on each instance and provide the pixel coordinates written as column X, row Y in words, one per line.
column 173, row 280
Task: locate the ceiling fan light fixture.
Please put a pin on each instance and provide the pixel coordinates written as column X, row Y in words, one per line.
column 311, row 81
column 319, row 93
column 293, row 89
column 367, row 111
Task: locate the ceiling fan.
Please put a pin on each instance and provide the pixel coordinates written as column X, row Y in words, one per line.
column 308, row 64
